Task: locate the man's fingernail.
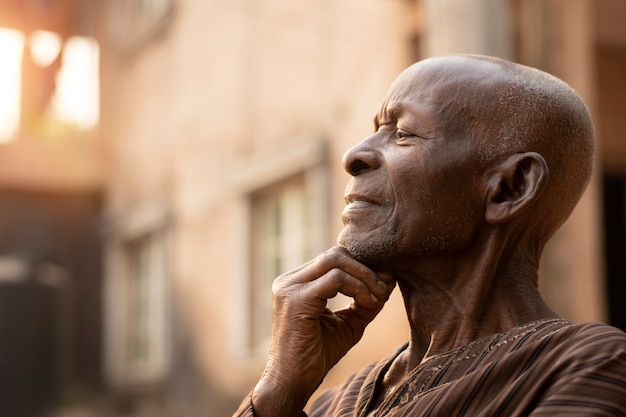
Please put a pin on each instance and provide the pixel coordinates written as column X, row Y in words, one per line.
column 376, row 300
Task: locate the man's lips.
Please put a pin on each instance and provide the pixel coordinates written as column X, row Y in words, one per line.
column 358, row 198
column 357, row 205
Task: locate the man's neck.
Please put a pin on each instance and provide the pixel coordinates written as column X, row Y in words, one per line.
column 450, row 304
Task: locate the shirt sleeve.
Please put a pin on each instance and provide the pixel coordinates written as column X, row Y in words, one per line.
column 246, row 410
column 592, row 384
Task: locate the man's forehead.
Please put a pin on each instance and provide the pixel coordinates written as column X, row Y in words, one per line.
column 441, row 81
column 415, row 90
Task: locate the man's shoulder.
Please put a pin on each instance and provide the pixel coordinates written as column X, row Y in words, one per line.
column 595, row 333
column 589, row 340
column 555, row 345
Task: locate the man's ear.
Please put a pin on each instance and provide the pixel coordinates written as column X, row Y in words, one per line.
column 513, row 185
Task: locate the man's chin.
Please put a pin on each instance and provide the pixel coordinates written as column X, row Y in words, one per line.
column 374, row 254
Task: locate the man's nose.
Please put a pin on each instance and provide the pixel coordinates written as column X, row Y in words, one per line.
column 361, row 158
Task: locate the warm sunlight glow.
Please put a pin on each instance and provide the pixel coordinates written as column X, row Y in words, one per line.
column 44, row 47
column 11, row 47
column 77, row 96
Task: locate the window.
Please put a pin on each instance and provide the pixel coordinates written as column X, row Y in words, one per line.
column 144, row 300
column 281, row 230
column 284, row 198
column 137, row 307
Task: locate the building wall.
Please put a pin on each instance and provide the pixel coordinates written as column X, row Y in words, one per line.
column 224, row 85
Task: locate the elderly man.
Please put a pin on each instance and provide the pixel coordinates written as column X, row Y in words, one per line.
column 473, row 165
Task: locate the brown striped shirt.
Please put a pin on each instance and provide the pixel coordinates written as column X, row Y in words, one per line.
column 544, row 368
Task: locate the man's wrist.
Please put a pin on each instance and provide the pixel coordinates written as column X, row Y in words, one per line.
column 271, row 399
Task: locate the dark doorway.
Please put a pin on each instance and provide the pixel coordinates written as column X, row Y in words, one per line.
column 614, row 191
column 50, row 298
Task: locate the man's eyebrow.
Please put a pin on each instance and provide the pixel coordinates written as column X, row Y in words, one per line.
column 392, row 111
column 378, row 116
column 395, row 110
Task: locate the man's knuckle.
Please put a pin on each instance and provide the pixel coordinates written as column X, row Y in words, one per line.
column 332, row 257
column 339, row 276
column 279, row 284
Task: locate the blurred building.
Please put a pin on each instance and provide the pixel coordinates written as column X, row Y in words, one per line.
column 215, row 165
column 50, row 207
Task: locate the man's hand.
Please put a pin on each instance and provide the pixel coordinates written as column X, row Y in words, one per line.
column 308, row 339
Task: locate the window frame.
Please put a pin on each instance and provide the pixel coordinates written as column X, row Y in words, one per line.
column 303, row 156
column 148, row 225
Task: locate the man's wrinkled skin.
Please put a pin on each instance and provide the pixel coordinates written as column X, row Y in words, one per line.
column 452, row 199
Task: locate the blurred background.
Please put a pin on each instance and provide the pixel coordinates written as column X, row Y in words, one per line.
column 161, row 161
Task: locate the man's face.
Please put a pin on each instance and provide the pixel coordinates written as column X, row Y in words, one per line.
column 414, row 187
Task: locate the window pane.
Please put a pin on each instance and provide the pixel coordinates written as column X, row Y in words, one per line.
column 138, row 300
